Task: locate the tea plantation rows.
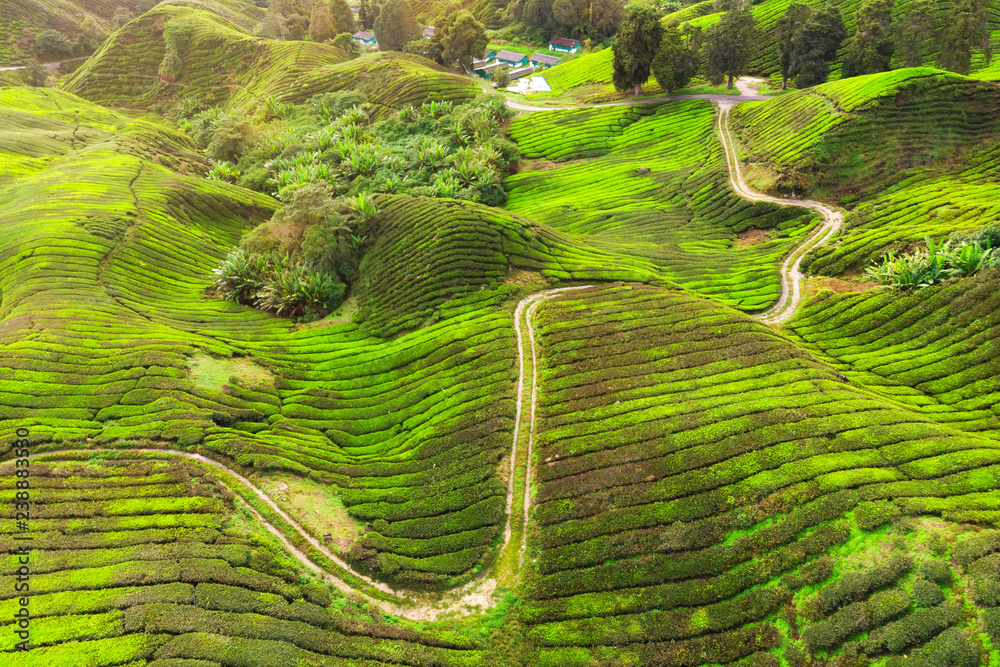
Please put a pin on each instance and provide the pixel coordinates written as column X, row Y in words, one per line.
column 933, row 350
column 681, row 215
column 912, row 152
column 223, row 64
column 144, row 560
column 710, row 492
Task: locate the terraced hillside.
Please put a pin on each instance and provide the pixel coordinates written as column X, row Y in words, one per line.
column 681, row 215
column 912, row 152
column 408, row 432
column 154, row 562
column 223, row 64
column 711, row 493
column 934, row 350
column 23, row 20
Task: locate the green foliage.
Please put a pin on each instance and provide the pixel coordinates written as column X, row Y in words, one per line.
column 677, row 60
column 926, row 593
column 951, row 648
column 395, row 25
column 873, row 45
column 462, row 38
column 321, row 26
column 916, row 628
column 925, row 267
column 814, row 45
column 965, row 28
column 637, row 45
column 853, row 586
column 854, row 618
column 917, row 25
column 731, row 43
column 871, row 515
column 52, row 43
column 936, row 571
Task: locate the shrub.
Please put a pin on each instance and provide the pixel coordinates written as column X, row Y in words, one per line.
column 176, row 35
column 232, row 136
column 926, row 593
column 854, row 586
column 854, row 618
column 962, row 256
column 972, row 549
column 871, row 515
column 918, row 627
column 935, row 570
column 53, row 43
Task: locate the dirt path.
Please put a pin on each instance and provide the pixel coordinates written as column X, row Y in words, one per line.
column 791, row 276
column 50, row 66
column 477, row 594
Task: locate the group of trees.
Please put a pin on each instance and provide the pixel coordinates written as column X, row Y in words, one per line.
column 572, row 18
column 808, row 40
column 674, row 56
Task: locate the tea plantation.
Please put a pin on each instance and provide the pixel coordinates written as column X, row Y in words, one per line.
column 544, row 421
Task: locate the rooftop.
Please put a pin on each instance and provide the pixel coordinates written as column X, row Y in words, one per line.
column 542, row 58
column 361, row 34
column 509, row 55
column 562, row 41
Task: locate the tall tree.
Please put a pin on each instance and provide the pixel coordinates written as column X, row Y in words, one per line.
column 605, row 16
column 872, row 47
column 395, row 25
column 321, row 22
column 815, row 44
column 373, row 13
column 364, row 14
column 676, row 62
column 784, row 31
column 574, row 15
column 539, row 14
column 343, row 17
column 731, row 44
column 463, row 39
column 636, row 46
column 965, row 28
column 918, row 25
column 272, row 27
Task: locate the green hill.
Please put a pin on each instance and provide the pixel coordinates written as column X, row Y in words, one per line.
column 23, row 20
column 223, row 64
column 707, row 488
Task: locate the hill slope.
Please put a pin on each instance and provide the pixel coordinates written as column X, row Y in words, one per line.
column 223, row 64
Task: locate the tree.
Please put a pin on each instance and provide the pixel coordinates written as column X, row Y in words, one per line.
column 373, row 14
column 675, row 63
column 731, row 43
column 501, row 78
column 428, row 48
column 321, row 22
column 636, row 46
column 364, row 15
column 815, row 44
column 919, row 24
column 232, row 136
column 574, row 15
column 872, row 47
column 539, row 14
column 463, row 38
column 121, row 17
column 395, row 25
column 343, row 17
column 143, row 6
column 345, row 41
column 296, row 27
column 272, row 27
column 605, row 16
column 34, row 73
column 965, row 27
column 784, row 32
column 53, row 43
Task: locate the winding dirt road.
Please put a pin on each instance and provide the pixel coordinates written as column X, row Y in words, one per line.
column 480, row 593
column 791, row 275
column 477, row 593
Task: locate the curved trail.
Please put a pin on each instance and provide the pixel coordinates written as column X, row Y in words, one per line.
column 791, row 276
column 477, row 593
